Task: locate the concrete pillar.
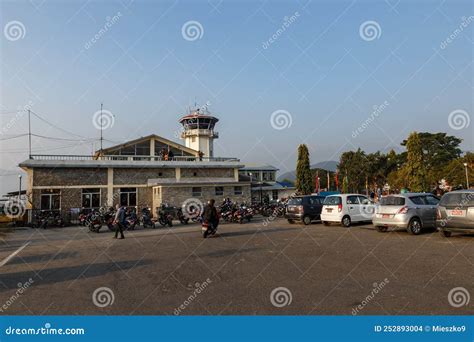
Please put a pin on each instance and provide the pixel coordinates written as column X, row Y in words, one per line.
column 152, row 147
column 29, row 188
column 110, row 187
column 178, row 174
column 236, row 174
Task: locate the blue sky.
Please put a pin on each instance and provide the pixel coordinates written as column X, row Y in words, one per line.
column 319, row 70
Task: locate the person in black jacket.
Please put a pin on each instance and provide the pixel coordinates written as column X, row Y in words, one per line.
column 210, row 214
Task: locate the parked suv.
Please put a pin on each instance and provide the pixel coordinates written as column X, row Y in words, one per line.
column 456, row 212
column 412, row 211
column 304, row 208
column 346, row 209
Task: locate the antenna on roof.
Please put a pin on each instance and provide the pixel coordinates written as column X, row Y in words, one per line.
column 101, row 136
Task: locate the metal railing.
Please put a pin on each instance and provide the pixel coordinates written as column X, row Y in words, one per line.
column 69, row 157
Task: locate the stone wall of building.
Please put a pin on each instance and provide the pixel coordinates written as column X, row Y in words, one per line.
column 207, row 173
column 141, row 176
column 69, row 176
column 71, row 198
column 176, row 196
column 35, row 201
column 145, row 198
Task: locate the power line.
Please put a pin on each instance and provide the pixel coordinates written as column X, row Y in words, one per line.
column 56, row 126
column 63, row 139
column 14, row 137
column 40, row 150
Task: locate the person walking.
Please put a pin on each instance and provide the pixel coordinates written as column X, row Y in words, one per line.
column 119, row 221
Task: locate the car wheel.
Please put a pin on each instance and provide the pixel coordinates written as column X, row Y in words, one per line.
column 346, row 221
column 291, row 221
column 381, row 229
column 306, row 220
column 414, row 227
column 444, row 233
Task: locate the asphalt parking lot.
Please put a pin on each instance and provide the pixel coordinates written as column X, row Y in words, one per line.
column 311, row 269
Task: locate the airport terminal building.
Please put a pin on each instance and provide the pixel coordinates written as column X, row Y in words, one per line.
column 145, row 172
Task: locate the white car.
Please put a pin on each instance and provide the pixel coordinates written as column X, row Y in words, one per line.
column 347, row 208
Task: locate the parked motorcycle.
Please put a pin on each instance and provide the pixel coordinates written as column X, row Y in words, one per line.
column 165, row 216
column 94, row 220
column 181, row 217
column 41, row 220
column 82, row 219
column 131, row 220
column 145, row 219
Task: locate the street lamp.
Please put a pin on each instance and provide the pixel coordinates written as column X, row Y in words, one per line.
column 19, row 189
column 467, row 175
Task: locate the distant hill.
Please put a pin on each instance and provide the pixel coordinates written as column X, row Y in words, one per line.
column 330, row 165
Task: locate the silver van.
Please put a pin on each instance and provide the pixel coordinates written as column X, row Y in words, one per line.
column 412, row 211
column 456, row 212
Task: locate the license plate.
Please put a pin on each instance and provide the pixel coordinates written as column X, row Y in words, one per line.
column 386, row 215
column 457, row 212
column 329, row 210
column 291, row 209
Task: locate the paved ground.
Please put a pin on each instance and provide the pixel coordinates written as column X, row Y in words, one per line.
column 326, row 270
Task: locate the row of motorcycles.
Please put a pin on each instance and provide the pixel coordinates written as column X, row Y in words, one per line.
column 95, row 219
column 230, row 212
column 45, row 219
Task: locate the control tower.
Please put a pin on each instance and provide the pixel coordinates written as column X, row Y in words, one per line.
column 198, row 131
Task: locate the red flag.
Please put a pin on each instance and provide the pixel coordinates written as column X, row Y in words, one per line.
column 337, row 180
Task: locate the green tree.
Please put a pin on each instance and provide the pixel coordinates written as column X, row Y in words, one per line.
column 439, row 149
column 353, row 164
column 304, row 181
column 455, row 171
column 415, row 167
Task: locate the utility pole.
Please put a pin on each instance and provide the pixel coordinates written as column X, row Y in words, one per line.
column 29, row 134
column 101, row 137
column 329, row 182
column 467, row 176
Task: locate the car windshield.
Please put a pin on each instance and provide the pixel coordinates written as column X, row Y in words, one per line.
column 295, row 201
column 392, row 200
column 332, row 200
column 458, row 199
